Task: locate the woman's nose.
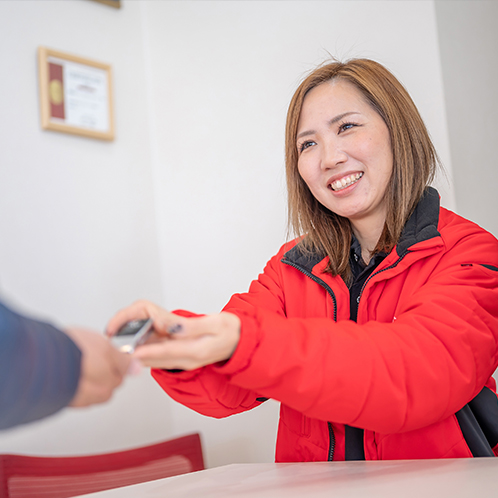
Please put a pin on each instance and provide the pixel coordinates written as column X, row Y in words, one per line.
column 332, row 155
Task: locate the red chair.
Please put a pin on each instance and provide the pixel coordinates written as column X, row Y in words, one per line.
column 62, row 477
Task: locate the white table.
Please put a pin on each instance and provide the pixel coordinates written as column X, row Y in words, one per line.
column 452, row 478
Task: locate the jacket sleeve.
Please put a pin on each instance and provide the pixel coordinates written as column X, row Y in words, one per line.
column 395, row 375
column 422, row 366
column 39, row 369
column 209, row 390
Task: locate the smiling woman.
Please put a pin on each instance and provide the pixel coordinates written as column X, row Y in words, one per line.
column 377, row 327
column 345, row 158
column 381, row 96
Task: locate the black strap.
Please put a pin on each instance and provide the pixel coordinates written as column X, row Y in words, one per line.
column 354, row 443
column 478, row 421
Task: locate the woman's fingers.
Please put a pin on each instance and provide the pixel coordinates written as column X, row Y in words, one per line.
column 181, row 342
column 172, row 354
column 188, row 328
column 138, row 311
column 192, row 342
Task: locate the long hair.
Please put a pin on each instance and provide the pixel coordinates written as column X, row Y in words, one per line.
column 415, row 162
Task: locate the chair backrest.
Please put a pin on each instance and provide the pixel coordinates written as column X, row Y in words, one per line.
column 24, row 476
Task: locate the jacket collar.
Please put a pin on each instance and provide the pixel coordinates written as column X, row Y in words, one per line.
column 421, row 226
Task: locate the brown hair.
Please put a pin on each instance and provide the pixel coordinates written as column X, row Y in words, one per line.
column 414, row 162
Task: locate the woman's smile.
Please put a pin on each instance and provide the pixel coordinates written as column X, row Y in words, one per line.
column 345, row 182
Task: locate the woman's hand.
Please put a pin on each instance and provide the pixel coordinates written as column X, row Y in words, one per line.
column 179, row 342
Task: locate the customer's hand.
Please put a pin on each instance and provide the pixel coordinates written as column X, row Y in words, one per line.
column 179, row 342
column 102, row 367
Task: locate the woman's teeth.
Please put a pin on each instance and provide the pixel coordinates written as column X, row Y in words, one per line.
column 345, row 182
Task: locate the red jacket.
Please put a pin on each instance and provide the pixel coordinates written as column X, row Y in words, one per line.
column 424, row 345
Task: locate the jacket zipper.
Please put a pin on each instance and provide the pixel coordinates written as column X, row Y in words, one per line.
column 330, row 292
column 390, row 267
column 331, row 442
column 319, row 281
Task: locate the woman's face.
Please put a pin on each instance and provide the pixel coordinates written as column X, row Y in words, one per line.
column 344, row 153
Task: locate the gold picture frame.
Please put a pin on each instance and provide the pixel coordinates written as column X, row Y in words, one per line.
column 111, row 3
column 75, row 95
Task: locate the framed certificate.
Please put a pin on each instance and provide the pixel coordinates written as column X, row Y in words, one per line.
column 112, row 3
column 75, row 95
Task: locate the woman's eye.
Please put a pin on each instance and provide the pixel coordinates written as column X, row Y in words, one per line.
column 346, row 126
column 305, row 145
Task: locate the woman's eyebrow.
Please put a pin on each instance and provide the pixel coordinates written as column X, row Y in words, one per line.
column 331, row 122
column 343, row 115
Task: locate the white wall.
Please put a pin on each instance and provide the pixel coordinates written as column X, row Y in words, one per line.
column 201, row 95
column 77, row 216
column 468, row 42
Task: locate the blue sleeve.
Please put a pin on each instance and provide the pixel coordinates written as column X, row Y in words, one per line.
column 39, row 369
